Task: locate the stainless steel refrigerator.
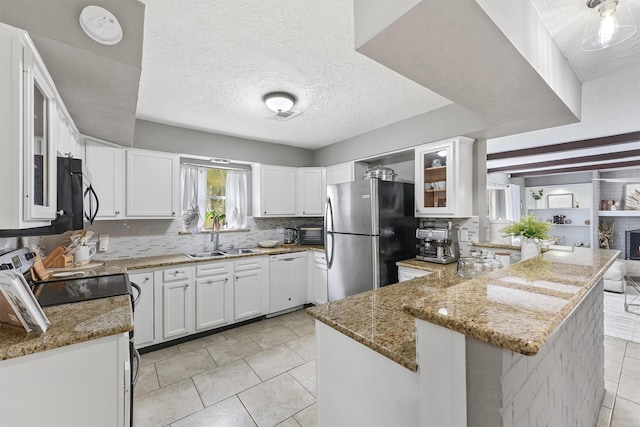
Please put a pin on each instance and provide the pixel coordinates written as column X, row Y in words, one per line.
column 370, row 225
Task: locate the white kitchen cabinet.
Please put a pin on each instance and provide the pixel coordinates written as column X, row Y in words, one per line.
column 342, row 172
column 407, row 273
column 84, row 384
column 250, row 288
column 66, row 134
column 317, row 278
column 106, row 171
column 177, row 301
column 443, row 184
column 311, row 192
column 274, row 191
column 287, row 281
column 214, row 295
column 152, row 184
column 144, row 312
column 28, row 162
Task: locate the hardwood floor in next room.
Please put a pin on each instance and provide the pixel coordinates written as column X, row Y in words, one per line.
column 264, row 374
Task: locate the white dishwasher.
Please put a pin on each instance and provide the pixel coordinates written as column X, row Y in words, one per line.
column 287, row 282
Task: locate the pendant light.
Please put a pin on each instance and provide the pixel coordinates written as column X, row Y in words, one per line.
column 613, row 25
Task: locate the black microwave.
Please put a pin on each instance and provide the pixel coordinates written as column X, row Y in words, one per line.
column 311, row 235
column 70, row 204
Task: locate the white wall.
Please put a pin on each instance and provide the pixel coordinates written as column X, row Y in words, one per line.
column 173, row 139
column 610, row 106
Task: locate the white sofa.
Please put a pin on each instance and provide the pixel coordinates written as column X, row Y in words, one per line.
column 614, row 277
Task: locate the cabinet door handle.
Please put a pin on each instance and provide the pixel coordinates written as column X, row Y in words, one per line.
column 117, row 212
column 186, row 286
column 226, row 280
column 173, row 214
column 265, row 212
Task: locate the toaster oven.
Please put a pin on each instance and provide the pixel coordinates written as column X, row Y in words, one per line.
column 311, row 235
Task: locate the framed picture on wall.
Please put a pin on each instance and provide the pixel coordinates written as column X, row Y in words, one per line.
column 558, row 201
column 632, row 197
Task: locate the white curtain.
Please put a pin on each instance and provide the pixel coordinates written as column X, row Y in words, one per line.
column 513, row 202
column 194, row 191
column 236, row 199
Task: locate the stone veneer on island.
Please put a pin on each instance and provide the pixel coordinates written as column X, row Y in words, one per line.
column 519, row 346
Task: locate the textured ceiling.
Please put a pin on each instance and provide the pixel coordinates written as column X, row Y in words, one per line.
column 207, row 65
column 566, row 21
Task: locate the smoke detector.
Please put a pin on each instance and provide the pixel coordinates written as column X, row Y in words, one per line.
column 100, row 24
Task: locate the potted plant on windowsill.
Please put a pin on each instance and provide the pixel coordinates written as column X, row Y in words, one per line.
column 532, row 231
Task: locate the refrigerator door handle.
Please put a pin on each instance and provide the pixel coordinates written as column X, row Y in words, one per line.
column 328, row 215
column 326, row 254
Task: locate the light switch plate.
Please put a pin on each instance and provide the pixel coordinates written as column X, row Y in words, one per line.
column 464, row 235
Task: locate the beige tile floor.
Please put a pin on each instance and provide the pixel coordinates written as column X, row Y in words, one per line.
column 265, row 374
column 260, row 374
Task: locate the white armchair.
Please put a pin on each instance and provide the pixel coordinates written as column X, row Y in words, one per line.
column 614, row 277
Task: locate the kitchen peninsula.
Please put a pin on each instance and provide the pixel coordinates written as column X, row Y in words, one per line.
column 519, row 346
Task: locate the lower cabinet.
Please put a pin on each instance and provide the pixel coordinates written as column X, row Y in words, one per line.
column 183, row 300
column 177, row 302
column 406, row 273
column 250, row 288
column 317, row 278
column 214, row 295
column 97, row 394
column 144, row 313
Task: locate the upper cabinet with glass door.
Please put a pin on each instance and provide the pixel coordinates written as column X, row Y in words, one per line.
column 443, row 186
column 39, row 152
column 27, row 133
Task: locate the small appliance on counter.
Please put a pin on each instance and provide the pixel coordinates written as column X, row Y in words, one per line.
column 438, row 245
column 290, row 236
column 311, row 235
column 474, row 266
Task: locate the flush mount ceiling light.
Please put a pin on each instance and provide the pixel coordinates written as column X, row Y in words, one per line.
column 279, row 101
column 100, row 24
column 613, row 25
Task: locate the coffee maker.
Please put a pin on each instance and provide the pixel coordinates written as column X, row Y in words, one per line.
column 290, row 236
column 439, row 245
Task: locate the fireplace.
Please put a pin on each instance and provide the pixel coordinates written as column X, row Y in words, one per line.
column 633, row 244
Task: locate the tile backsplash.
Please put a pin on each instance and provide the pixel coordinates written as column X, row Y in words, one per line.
column 140, row 238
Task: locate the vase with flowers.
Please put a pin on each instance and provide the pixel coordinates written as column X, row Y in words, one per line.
column 537, row 197
column 532, row 231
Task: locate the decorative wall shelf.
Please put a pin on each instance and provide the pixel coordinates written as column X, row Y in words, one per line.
column 619, row 213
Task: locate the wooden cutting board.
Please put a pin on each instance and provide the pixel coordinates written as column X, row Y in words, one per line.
column 79, row 268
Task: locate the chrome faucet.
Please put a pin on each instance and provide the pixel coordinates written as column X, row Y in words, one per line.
column 215, row 238
column 215, row 233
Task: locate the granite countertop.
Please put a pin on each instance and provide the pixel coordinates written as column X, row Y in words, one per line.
column 516, row 308
column 83, row 321
column 70, row 324
column 128, row 264
column 495, row 246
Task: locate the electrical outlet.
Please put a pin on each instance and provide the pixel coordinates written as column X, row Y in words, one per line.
column 464, row 235
column 103, row 243
column 280, row 229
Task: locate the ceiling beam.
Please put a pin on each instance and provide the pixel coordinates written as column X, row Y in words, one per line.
column 575, row 169
column 569, row 161
column 624, row 138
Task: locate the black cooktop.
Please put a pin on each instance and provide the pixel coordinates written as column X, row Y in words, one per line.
column 81, row 289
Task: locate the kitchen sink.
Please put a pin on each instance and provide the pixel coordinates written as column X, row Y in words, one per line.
column 240, row 251
column 205, row 255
